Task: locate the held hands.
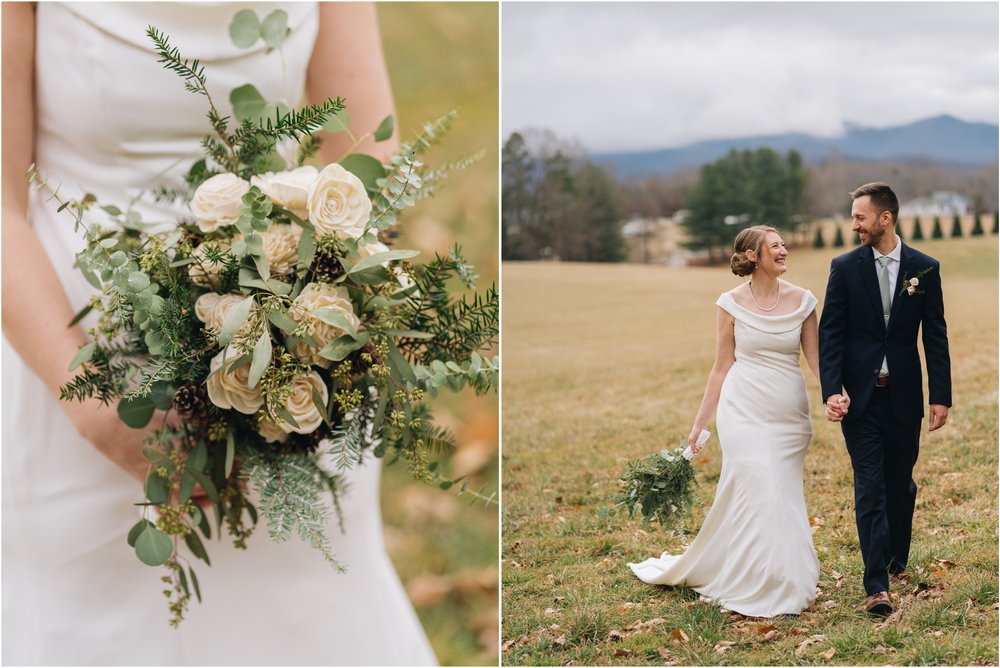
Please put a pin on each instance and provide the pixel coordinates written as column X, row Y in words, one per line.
column 836, row 407
column 939, row 415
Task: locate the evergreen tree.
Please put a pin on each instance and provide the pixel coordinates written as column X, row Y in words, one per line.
column 818, row 241
column 899, row 231
column 956, row 226
column 938, row 233
column 918, row 233
column 838, row 240
column 996, row 222
column 977, row 226
column 517, row 196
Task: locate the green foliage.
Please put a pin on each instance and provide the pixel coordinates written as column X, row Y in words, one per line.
column 938, row 232
column 838, row 239
column 291, row 491
column 996, row 223
column 558, row 204
column 818, row 241
column 918, row 232
column 745, row 188
column 956, row 226
column 977, row 226
column 660, row 485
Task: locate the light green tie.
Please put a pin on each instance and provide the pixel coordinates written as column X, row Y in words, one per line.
column 883, row 286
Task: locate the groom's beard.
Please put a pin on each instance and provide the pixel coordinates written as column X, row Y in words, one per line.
column 874, row 237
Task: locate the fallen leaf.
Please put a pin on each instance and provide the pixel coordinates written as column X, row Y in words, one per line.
column 798, row 630
column 937, row 634
column 554, row 627
column 668, row 658
column 945, row 563
column 689, row 604
column 723, row 646
column 881, row 649
column 816, row 522
column 762, row 628
column 829, row 605
column 956, row 500
column 623, row 652
column 628, row 606
column 615, row 635
column 811, row 640
column 551, row 611
column 828, row 654
column 678, row 636
column 514, row 641
column 939, row 574
column 561, row 640
column 770, row 635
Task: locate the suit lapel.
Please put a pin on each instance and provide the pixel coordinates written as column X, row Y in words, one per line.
column 905, row 270
column 866, row 267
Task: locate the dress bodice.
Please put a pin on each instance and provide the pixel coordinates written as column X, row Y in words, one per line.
column 768, row 341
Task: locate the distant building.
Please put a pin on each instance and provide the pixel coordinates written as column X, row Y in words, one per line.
column 656, row 240
column 940, row 203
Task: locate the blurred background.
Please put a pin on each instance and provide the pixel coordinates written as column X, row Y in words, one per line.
column 443, row 56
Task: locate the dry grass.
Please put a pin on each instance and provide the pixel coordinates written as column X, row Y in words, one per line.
column 603, row 363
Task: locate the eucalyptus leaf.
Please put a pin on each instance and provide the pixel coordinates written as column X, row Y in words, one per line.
column 409, row 334
column 378, row 259
column 261, row 359
column 84, row 354
column 248, row 103
column 244, row 28
column 340, row 348
column 153, row 547
column 157, row 488
column 286, row 416
column 194, row 583
column 230, row 453
column 159, row 459
column 274, row 28
column 112, row 210
column 134, row 532
column 338, row 122
column 137, row 412
column 197, row 547
column 162, row 394
column 206, row 484
column 366, row 168
column 282, row 321
column 385, row 128
column 238, row 362
column 138, row 281
column 335, row 318
column 197, row 458
column 235, row 318
column 306, row 249
column 187, row 486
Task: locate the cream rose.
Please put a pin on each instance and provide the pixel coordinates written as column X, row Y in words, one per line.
column 289, row 190
column 211, row 308
column 217, row 201
column 300, row 404
column 914, row 281
column 202, row 271
column 229, row 390
column 270, row 430
column 281, row 247
column 338, row 203
column 313, row 297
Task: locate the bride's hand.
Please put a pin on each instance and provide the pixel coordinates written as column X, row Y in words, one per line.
column 693, row 440
column 101, row 426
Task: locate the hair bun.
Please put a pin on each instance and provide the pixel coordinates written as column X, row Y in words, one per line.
column 741, row 264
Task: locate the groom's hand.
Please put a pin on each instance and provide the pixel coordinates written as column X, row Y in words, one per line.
column 836, row 407
column 939, row 415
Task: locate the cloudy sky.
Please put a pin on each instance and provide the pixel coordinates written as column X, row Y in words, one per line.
column 622, row 76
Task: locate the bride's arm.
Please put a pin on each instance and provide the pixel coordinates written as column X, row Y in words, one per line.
column 810, row 343
column 725, row 356
column 347, row 61
column 35, row 307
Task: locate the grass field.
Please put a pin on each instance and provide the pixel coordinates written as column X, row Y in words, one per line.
column 441, row 56
column 605, row 363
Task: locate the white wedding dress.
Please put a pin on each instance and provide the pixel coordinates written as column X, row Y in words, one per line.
column 111, row 121
column 754, row 553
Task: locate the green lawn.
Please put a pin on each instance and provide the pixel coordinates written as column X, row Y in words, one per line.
column 607, row 363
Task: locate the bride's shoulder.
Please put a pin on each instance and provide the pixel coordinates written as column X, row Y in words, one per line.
column 792, row 289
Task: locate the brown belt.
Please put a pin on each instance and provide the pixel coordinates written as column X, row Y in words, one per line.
column 881, row 381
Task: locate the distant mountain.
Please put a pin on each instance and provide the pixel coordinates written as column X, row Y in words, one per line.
column 940, row 139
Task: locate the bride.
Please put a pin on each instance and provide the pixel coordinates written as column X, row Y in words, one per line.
column 754, row 554
column 85, row 99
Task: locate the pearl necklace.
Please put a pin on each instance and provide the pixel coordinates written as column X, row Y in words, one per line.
column 776, row 301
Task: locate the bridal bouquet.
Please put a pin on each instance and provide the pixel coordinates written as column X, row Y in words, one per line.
column 660, row 485
column 277, row 330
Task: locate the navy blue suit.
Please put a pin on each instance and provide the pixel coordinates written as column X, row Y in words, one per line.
column 882, row 426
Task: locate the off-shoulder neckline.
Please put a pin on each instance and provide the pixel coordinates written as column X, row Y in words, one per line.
column 802, row 303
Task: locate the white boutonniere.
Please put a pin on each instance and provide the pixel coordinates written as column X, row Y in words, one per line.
column 911, row 285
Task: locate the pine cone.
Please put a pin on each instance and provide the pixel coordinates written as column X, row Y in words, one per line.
column 358, row 365
column 192, row 404
column 326, row 265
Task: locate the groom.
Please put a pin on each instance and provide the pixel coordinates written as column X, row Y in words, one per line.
column 877, row 298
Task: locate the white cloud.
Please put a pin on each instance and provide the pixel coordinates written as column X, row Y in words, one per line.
column 647, row 75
